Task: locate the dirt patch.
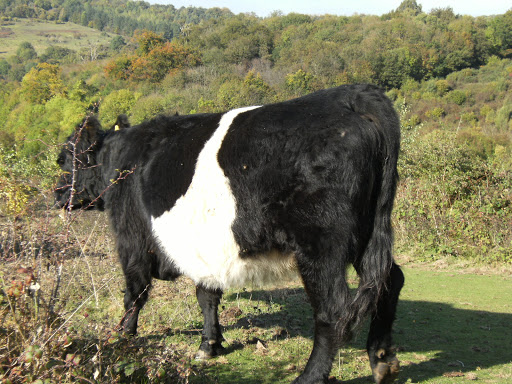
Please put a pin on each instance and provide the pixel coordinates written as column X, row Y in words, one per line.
column 6, row 32
column 230, row 315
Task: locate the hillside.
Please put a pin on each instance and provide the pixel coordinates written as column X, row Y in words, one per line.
column 44, row 34
column 117, row 16
column 449, row 76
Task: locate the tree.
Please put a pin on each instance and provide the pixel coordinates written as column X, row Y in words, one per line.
column 55, row 54
column 26, row 51
column 42, row 82
column 120, row 68
column 147, row 40
column 410, row 5
column 167, row 57
column 499, row 33
column 117, row 103
column 4, row 67
column 300, row 82
column 117, row 43
column 153, row 65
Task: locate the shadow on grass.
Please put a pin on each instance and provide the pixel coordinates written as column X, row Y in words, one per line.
column 433, row 339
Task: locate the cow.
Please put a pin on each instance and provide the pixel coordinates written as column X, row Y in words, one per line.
column 249, row 197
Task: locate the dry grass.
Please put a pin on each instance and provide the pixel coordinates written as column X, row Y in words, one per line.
column 61, row 301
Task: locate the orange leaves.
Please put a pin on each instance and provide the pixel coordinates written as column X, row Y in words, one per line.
column 156, row 58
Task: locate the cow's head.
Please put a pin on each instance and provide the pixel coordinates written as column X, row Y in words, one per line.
column 80, row 182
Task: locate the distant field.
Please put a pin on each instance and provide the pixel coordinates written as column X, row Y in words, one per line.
column 44, row 34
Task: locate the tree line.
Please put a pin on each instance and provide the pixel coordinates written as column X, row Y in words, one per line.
column 117, row 16
column 449, row 76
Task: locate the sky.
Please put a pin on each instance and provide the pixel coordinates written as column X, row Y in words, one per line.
column 264, row 8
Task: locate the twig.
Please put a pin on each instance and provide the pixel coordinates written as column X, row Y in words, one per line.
column 53, row 297
column 82, row 251
column 74, row 312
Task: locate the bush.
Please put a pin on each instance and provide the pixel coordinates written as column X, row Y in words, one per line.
column 146, row 108
column 457, row 97
column 452, row 200
column 436, row 113
column 117, row 103
column 442, row 87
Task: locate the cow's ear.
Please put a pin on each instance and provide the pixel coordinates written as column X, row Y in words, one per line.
column 122, row 122
column 89, row 128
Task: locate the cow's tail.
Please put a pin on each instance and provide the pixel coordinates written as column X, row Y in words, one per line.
column 375, row 259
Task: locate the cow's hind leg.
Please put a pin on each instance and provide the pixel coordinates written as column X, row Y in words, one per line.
column 385, row 365
column 323, row 276
column 211, row 338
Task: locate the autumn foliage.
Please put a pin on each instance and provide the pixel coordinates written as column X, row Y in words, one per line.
column 156, row 58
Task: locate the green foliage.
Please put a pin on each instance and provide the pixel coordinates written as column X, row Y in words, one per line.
column 446, row 73
column 436, row 113
column 442, row 87
column 4, row 68
column 457, row 97
column 56, row 54
column 504, row 116
column 410, row 5
column 117, row 103
column 117, row 43
column 231, row 94
column 146, row 108
column 260, row 92
column 22, row 179
column 499, row 33
column 450, row 200
column 82, row 91
column 63, row 113
column 300, row 82
column 26, row 51
column 41, row 83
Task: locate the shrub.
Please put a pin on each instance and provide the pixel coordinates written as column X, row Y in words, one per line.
column 458, row 97
column 146, row 108
column 436, row 113
column 451, row 199
column 117, row 103
column 504, row 116
column 442, row 87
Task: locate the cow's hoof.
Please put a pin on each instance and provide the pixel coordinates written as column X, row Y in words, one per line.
column 386, row 369
column 203, row 355
column 207, row 351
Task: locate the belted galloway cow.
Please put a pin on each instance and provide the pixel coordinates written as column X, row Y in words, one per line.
column 248, row 197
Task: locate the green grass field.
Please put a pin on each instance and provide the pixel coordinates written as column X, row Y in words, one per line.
column 44, row 34
column 452, row 326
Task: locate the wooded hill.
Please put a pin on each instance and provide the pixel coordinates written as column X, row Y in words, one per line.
column 449, row 75
column 116, row 16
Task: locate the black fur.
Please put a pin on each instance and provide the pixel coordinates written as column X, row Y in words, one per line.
column 314, row 176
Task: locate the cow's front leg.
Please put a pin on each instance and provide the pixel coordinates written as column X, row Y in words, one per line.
column 211, row 340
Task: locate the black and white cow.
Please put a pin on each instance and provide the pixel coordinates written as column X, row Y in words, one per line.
column 249, row 197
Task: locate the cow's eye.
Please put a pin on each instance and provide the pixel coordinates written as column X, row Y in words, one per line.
column 61, row 160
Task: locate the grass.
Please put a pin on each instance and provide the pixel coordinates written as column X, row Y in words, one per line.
column 452, row 325
column 45, row 34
